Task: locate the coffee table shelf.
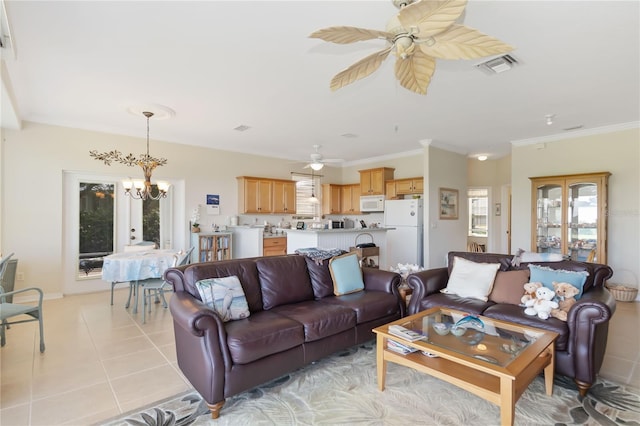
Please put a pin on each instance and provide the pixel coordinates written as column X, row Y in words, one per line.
column 500, row 384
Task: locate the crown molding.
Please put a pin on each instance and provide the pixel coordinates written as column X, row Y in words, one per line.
column 578, row 133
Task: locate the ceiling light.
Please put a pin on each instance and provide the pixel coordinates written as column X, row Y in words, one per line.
column 482, row 157
column 316, row 166
column 145, row 161
column 549, row 118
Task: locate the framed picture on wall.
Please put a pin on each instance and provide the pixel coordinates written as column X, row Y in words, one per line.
column 448, row 203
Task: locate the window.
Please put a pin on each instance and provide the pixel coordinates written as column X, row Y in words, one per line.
column 96, row 226
column 308, row 194
column 478, row 212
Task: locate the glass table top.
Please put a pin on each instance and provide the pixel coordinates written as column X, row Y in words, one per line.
column 491, row 341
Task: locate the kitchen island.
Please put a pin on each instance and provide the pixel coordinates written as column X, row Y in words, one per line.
column 343, row 238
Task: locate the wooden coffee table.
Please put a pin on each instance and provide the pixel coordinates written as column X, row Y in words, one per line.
column 496, row 364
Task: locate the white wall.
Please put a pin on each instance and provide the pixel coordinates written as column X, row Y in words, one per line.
column 617, row 152
column 445, row 170
column 406, row 166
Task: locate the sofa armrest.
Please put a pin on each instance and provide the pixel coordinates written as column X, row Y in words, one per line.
column 201, row 345
column 387, row 281
column 588, row 322
column 424, row 283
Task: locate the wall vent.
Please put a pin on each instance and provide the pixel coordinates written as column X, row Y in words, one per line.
column 242, row 128
column 497, row 65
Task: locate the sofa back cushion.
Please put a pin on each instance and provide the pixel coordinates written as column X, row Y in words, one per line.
column 244, row 269
column 320, row 276
column 283, row 280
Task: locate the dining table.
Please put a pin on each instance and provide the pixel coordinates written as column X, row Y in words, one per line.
column 136, row 266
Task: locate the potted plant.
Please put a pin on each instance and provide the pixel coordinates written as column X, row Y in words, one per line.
column 195, row 218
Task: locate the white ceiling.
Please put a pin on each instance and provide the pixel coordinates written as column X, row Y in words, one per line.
column 221, row 64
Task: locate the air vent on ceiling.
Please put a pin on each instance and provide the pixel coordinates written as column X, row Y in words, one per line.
column 497, row 65
column 349, row 135
column 242, row 128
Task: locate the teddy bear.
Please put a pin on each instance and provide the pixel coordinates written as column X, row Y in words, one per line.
column 543, row 304
column 565, row 293
column 529, row 292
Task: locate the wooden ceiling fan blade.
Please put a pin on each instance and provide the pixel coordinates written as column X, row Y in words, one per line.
column 360, row 69
column 462, row 42
column 414, row 73
column 346, row 35
column 430, row 17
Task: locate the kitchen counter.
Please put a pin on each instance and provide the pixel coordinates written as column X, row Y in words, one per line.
column 343, row 238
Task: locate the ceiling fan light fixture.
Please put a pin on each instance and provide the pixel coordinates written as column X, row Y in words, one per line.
column 316, row 166
column 482, row 157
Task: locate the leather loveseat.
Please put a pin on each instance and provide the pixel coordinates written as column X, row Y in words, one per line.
column 582, row 339
column 295, row 319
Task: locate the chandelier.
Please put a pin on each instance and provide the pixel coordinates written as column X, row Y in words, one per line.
column 143, row 189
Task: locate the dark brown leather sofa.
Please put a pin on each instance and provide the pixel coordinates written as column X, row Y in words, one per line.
column 582, row 339
column 295, row 320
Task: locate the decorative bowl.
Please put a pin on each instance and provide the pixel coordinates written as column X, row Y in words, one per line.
column 441, row 328
column 458, row 331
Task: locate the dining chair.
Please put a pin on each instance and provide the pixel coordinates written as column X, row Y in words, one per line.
column 8, row 309
column 155, row 287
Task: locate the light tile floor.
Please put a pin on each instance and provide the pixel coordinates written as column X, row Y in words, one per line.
column 101, row 361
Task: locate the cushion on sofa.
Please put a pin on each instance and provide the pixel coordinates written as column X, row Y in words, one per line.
column 368, row 305
column 319, row 320
column 547, row 276
column 225, row 296
column 283, row 280
column 320, row 277
column 346, row 274
column 471, row 279
column 264, row 333
column 508, row 286
column 244, row 269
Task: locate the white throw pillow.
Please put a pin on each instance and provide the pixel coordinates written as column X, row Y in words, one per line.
column 226, row 296
column 471, row 279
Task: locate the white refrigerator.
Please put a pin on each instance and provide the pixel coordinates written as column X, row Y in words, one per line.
column 405, row 242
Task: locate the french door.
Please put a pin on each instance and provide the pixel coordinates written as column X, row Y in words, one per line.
column 100, row 220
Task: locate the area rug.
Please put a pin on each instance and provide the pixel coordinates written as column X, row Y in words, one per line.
column 342, row 390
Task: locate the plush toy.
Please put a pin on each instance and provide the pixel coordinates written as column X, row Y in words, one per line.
column 529, row 292
column 565, row 293
column 543, row 304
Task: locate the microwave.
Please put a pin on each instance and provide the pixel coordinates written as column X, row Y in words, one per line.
column 372, row 203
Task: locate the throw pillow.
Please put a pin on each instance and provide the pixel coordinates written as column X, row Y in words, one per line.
column 471, row 279
column 225, row 296
column 346, row 274
column 507, row 287
column 547, row 276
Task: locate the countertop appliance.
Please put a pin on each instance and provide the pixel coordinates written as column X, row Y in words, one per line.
column 405, row 242
column 372, row 203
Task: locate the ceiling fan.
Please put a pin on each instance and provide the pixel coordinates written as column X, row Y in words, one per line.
column 318, row 161
column 422, row 31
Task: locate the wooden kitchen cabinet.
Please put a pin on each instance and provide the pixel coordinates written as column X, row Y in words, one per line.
column 569, row 216
column 284, row 196
column 409, row 186
column 350, row 199
column 275, row 246
column 255, row 195
column 331, row 197
column 372, row 181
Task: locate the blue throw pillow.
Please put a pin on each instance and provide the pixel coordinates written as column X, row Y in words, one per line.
column 546, row 276
column 346, row 274
column 226, row 296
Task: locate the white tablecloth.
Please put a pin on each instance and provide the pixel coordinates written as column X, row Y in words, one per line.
column 120, row 267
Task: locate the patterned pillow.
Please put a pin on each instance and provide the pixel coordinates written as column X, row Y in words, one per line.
column 225, row 296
